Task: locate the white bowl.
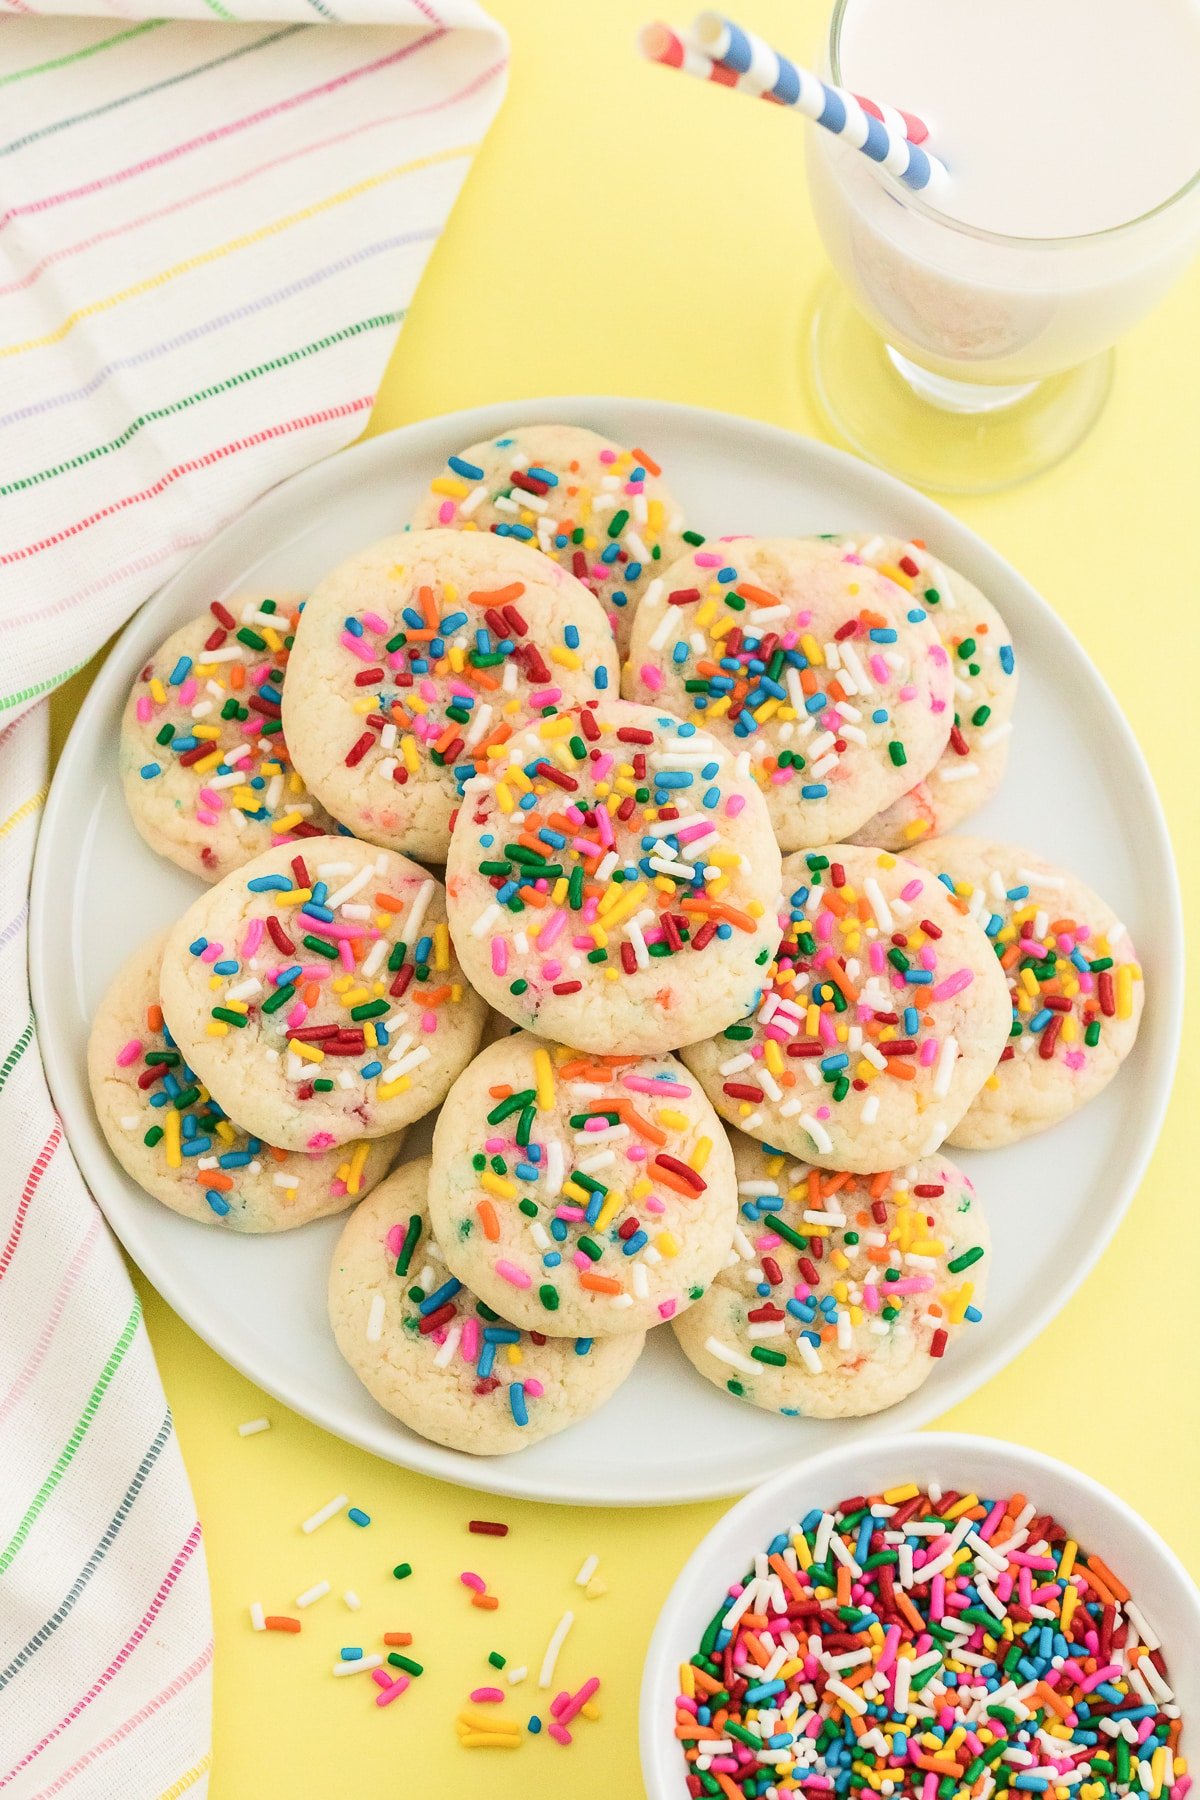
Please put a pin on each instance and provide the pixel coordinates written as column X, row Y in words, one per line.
column 1155, row 1577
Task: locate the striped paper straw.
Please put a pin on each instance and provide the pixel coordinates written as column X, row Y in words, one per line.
column 718, row 50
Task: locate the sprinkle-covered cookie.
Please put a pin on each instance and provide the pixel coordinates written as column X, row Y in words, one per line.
column 167, row 1132
column 419, row 655
column 316, row 992
column 830, row 676
column 599, row 510
column 841, row 1292
column 206, row 772
column 574, row 1193
column 977, row 641
column 880, row 1019
column 442, row 1361
column 613, row 880
column 1074, row 981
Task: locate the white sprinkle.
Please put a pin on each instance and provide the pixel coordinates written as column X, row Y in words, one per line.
column 415, row 919
column 257, row 1616
column 445, row 1354
column 317, row 1591
column 557, row 1639
column 351, row 1599
column 252, row 1426
column 515, row 1676
column 326, row 1513
column 357, row 1668
column 947, row 1056
column 818, row 1133
column 734, row 1358
column 375, row 1321
column 486, row 920
column 587, row 1570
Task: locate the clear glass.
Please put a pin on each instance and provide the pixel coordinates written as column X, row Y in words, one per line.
column 983, row 357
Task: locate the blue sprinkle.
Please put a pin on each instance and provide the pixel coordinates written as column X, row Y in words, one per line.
column 150, row 770
column 227, row 966
column 357, row 1516
column 1007, row 662
column 198, row 945
column 882, row 634
column 179, row 673
column 218, row 1202
column 583, row 1345
column 468, row 470
column 352, row 1652
column 535, row 1724
column 439, row 1297
column 516, row 1399
column 268, row 884
column 355, row 628
column 371, row 1069
column 572, row 636
column 487, row 1357
column 234, row 1159
column 814, row 790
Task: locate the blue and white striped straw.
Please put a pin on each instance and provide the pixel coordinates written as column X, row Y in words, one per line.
column 766, row 71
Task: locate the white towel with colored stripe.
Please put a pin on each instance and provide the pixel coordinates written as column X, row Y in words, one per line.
column 210, row 229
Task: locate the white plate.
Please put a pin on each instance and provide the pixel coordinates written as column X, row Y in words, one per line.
column 1077, row 789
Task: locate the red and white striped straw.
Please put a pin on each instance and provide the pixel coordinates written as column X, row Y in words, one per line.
column 717, row 50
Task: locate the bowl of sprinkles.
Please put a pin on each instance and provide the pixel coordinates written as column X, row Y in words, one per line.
column 932, row 1617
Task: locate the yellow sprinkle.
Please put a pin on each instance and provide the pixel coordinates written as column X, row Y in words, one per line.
column 448, row 485
column 687, row 1683
column 174, row 1153
column 217, row 1028
column 666, row 1244
column 673, row 1120
column 408, row 750
column 441, row 947
column 701, row 1153
column 507, row 803
column 614, row 1200
column 961, row 1506
column 357, row 1164
column 1067, row 1560
column 543, row 1074
column 387, row 1090
column 288, row 822
column 370, row 1036
column 309, row 1052
column 514, row 1354
column 1125, row 991
column 207, row 762
column 568, row 659
column 295, row 897
column 496, row 1184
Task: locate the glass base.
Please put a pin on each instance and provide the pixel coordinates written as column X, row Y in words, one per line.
column 953, row 437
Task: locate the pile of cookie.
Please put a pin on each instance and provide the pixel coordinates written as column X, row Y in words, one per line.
column 693, row 805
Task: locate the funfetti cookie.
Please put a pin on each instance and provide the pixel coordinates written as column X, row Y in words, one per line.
column 1074, row 981
column 167, row 1132
column 415, row 658
column 579, row 1194
column 601, row 511
column 613, row 880
column 318, row 996
column 831, row 678
column 842, row 1292
column 442, row 1361
column 977, row 641
column 205, row 769
column 880, row 1019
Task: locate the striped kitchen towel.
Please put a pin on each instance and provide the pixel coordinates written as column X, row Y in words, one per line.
column 210, row 228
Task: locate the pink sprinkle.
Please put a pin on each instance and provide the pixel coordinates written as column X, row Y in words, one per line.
column 446, row 512
column 395, row 1239
column 205, row 817
column 534, row 1387
column 364, row 652
column 429, row 1023
column 552, row 930
column 544, row 697
column 645, row 1084
column 879, row 669
column 188, row 691
column 608, row 456
column 346, row 953
column 515, row 1277
column 144, row 709
column 561, row 1735
column 907, row 692
column 499, row 955
column 705, row 559
column 374, row 623
column 953, row 984
column 469, row 1343
column 734, row 805
column 876, row 955
column 296, row 1015
column 210, row 798
column 581, row 1260
column 320, row 1140
column 129, row 1053
column 928, row 1052
column 392, row 1689
column 911, row 889
column 666, row 1309
column 211, row 953
column 487, row 1696
column 494, row 1145
column 652, row 677
column 473, row 1581
column 566, row 1706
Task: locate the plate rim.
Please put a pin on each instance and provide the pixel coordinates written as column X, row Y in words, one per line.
column 969, row 551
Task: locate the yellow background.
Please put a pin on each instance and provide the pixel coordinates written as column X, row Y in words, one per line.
column 625, row 230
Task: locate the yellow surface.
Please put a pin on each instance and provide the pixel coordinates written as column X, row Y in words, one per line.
column 625, row 230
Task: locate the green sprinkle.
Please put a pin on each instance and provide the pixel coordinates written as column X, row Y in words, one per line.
column 229, row 1016
column 370, row 1009
column 402, row 1571
column 776, row 1358
column 965, row 1260
column 411, row 1238
column 548, row 1295
column 897, row 753
column 405, row 1662
column 279, row 998
column 322, row 946
column 153, row 1136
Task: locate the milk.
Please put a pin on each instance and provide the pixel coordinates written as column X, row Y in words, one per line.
column 1062, row 123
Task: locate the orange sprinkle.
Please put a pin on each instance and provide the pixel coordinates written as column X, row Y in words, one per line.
column 496, row 596
column 237, row 675
column 213, row 1178
column 389, row 903
column 648, row 463
column 398, row 1639
column 599, row 1284
column 489, row 1221
column 154, row 1017
column 277, row 1622
column 485, row 1602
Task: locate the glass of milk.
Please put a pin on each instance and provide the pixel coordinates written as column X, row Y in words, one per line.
column 971, row 343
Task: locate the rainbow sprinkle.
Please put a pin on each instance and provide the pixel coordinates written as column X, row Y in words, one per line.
column 217, row 713
column 929, row 1646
